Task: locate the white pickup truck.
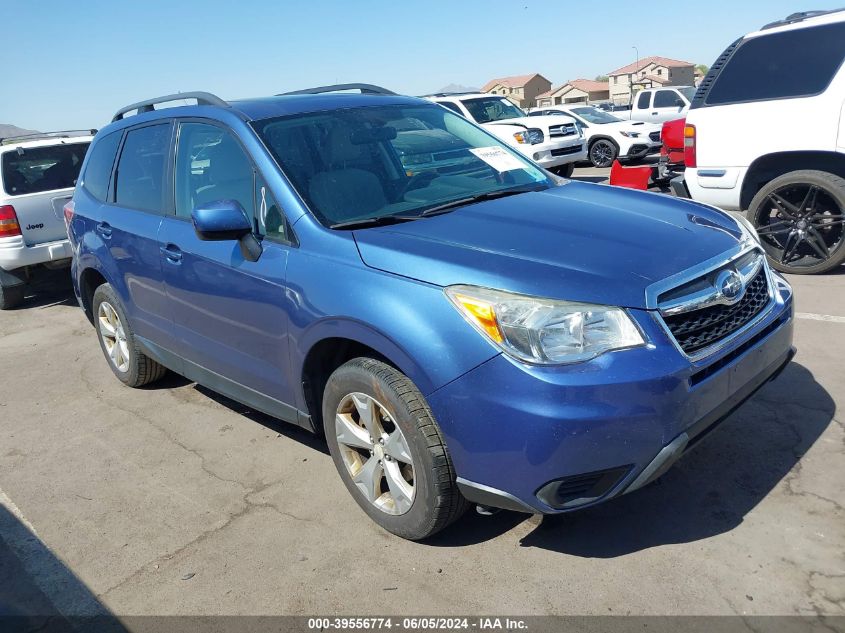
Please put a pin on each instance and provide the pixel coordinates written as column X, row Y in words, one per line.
column 554, row 142
column 656, row 105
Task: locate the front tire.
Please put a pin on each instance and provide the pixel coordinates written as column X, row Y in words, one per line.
column 564, row 171
column 11, row 296
column 603, row 152
column 388, row 449
column 117, row 340
column 799, row 217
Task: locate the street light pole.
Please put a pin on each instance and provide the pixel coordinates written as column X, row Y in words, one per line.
column 636, row 70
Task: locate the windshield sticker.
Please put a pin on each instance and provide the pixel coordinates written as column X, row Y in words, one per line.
column 497, row 158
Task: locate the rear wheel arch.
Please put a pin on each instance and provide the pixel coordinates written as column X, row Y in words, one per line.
column 89, row 280
column 766, row 168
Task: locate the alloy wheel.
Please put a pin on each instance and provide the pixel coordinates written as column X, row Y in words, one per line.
column 375, row 453
column 801, row 225
column 114, row 336
column 602, row 154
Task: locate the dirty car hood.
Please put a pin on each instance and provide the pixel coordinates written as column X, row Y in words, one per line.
column 577, row 241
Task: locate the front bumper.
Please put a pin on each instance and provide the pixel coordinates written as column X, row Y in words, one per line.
column 640, row 150
column 14, row 252
column 554, row 154
column 519, row 434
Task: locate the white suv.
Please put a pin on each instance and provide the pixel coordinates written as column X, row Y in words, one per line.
column 607, row 136
column 554, row 142
column 766, row 134
column 37, row 175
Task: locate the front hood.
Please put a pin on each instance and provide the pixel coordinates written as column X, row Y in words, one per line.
column 578, row 241
column 630, row 126
column 541, row 122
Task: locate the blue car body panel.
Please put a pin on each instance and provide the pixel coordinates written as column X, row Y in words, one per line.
column 509, row 426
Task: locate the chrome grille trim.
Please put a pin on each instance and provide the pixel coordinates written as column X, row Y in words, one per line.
column 715, row 264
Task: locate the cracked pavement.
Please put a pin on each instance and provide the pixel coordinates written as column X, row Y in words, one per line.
column 173, row 500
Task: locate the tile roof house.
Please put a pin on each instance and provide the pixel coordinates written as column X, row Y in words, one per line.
column 575, row 91
column 649, row 72
column 521, row 89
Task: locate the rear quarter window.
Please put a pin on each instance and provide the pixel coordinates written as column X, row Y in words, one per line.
column 99, row 166
column 39, row 169
column 797, row 63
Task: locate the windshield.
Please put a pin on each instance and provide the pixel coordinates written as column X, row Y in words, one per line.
column 382, row 161
column 688, row 92
column 594, row 115
column 487, row 109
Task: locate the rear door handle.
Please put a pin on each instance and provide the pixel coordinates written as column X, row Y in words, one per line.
column 173, row 253
column 104, row 229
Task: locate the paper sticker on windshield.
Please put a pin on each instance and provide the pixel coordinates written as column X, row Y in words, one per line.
column 498, row 158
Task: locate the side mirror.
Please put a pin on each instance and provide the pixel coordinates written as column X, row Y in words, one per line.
column 680, row 103
column 226, row 220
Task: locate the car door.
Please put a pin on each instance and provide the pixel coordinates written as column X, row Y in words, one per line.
column 229, row 316
column 129, row 223
column 667, row 105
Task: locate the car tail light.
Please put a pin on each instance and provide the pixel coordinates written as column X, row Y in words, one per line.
column 689, row 145
column 68, row 211
column 9, row 225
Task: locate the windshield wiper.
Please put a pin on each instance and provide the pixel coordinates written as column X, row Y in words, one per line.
column 490, row 195
column 381, row 220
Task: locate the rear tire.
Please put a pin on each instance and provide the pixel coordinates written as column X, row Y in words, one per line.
column 370, row 409
column 11, row 296
column 799, row 217
column 117, row 340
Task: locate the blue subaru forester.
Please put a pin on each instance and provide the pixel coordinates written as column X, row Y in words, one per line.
column 463, row 326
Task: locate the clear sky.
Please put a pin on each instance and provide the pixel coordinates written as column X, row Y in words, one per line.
column 68, row 64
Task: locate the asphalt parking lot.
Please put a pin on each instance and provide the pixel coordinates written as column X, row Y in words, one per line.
column 173, row 500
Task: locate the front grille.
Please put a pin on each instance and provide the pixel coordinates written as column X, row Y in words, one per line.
column 654, row 136
column 563, row 151
column 563, row 130
column 698, row 329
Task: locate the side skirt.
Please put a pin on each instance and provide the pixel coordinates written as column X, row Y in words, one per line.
column 229, row 388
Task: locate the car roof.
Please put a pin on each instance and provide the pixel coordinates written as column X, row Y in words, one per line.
column 11, row 144
column 801, row 20
column 284, row 105
column 463, row 95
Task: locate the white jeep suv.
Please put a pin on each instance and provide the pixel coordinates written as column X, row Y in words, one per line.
column 554, row 142
column 607, row 136
column 766, row 134
column 37, row 175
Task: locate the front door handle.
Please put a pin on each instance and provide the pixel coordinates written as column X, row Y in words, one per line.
column 173, row 253
column 104, row 229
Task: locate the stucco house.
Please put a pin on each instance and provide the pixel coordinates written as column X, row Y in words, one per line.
column 521, row 89
column 649, row 72
column 575, row 91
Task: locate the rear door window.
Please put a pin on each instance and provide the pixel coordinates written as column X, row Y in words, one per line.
column 140, row 170
column 38, row 169
column 797, row 63
column 666, row 99
column 100, row 162
column 643, row 100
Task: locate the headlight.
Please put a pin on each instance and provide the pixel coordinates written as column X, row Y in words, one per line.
column 545, row 331
column 630, row 134
column 746, row 227
column 530, row 136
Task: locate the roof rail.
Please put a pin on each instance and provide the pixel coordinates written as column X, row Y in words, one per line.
column 453, row 94
column 368, row 89
column 37, row 135
column 800, row 16
column 202, row 98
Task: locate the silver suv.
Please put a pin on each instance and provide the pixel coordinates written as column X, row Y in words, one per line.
column 38, row 173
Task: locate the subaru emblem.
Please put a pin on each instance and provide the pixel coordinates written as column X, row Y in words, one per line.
column 729, row 285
